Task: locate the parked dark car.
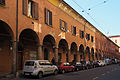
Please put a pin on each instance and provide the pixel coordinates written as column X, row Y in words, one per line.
column 114, row 61
column 65, row 67
column 95, row 64
column 78, row 66
column 88, row 65
column 83, row 64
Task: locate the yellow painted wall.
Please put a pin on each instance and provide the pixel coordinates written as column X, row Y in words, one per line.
column 55, row 2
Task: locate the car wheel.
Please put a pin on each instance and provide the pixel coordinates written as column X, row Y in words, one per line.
column 83, row 68
column 77, row 69
column 63, row 71
column 24, row 75
column 87, row 67
column 73, row 69
column 40, row 74
column 55, row 72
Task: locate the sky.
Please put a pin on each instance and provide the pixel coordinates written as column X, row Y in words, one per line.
column 103, row 14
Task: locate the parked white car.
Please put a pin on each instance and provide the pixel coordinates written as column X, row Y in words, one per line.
column 107, row 61
column 39, row 68
column 101, row 62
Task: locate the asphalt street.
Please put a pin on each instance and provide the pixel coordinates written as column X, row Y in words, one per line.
column 111, row 72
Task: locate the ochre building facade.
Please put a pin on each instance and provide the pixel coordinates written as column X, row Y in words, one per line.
column 47, row 29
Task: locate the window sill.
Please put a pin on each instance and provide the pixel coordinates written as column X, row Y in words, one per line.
column 49, row 25
column 30, row 17
column 82, row 38
column 2, row 5
column 63, row 29
column 74, row 34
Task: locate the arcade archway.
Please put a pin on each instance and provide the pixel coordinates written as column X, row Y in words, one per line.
column 92, row 54
column 82, row 54
column 63, row 51
column 6, row 40
column 73, row 51
column 27, row 47
column 87, row 53
column 48, row 47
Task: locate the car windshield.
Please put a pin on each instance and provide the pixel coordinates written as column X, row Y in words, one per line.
column 44, row 63
column 82, row 62
column 78, row 63
column 66, row 64
column 29, row 63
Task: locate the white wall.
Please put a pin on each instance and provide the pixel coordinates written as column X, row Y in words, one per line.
column 116, row 39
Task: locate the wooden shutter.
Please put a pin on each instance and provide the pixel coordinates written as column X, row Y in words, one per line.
column 50, row 17
column 82, row 34
column 25, row 7
column 60, row 24
column 33, row 9
column 86, row 36
column 46, row 16
column 65, row 26
column 36, row 11
column 92, row 38
column 71, row 29
column 75, row 30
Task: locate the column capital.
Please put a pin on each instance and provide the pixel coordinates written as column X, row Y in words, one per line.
column 55, row 47
column 68, row 49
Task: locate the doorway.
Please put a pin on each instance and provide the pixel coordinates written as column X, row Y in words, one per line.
column 46, row 54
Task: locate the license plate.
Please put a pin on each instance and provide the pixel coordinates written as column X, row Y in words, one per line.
column 27, row 74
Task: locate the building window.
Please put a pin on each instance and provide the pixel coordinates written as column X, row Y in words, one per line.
column 96, row 41
column 30, row 9
column 104, row 45
column 92, row 39
column 48, row 17
column 101, row 45
column 63, row 25
column 81, row 34
column 115, row 41
column 73, row 30
column 87, row 36
column 2, row 2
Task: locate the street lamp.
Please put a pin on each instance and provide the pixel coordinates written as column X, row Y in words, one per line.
column 16, row 37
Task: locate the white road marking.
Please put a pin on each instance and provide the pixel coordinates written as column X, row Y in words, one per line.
column 95, row 78
column 103, row 74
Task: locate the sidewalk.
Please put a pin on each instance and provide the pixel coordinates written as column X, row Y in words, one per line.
column 6, row 76
column 9, row 76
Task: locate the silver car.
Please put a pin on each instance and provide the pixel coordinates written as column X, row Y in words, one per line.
column 39, row 68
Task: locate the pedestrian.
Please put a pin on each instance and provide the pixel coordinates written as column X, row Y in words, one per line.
column 53, row 61
column 73, row 61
